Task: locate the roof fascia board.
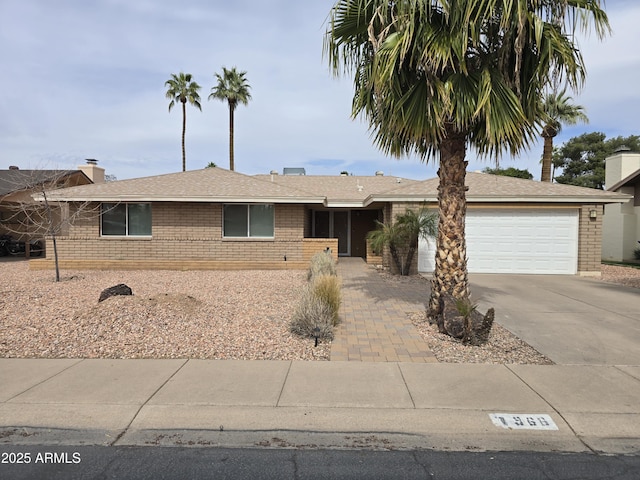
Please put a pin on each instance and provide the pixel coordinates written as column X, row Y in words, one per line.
column 343, row 204
column 507, row 199
column 135, row 198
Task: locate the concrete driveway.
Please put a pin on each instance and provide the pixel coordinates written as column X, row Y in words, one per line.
column 570, row 319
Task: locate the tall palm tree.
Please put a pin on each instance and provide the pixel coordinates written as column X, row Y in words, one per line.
column 181, row 88
column 233, row 88
column 433, row 77
column 559, row 110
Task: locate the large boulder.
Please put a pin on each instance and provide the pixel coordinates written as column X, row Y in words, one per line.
column 120, row 289
column 463, row 321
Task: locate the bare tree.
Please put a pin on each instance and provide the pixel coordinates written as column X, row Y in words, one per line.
column 28, row 212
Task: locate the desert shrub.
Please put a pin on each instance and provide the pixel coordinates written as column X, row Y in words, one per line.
column 326, row 288
column 321, row 264
column 312, row 317
column 636, row 254
column 317, row 311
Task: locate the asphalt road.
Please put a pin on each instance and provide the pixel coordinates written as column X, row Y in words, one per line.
column 123, row 463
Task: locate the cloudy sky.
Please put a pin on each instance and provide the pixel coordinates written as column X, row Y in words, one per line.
column 85, row 79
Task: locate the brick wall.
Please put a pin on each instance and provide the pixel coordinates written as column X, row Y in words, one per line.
column 590, row 240
column 187, row 231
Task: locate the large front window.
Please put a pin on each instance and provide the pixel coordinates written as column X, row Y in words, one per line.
column 126, row 219
column 248, row 221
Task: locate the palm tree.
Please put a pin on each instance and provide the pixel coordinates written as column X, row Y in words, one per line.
column 433, row 77
column 402, row 236
column 233, row 88
column 181, row 88
column 559, row 110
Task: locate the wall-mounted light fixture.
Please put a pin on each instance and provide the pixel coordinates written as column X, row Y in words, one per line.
column 593, row 213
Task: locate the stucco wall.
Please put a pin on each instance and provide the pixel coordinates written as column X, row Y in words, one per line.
column 621, row 224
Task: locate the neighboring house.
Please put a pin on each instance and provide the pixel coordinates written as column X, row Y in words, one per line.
column 215, row 218
column 18, row 210
column 621, row 225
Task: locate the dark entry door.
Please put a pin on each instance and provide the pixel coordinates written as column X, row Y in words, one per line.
column 362, row 222
column 341, row 231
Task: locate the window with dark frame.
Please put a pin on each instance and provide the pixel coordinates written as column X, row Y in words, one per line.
column 248, row 220
column 126, row 219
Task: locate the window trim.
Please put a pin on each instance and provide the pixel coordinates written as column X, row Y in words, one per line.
column 126, row 234
column 249, row 236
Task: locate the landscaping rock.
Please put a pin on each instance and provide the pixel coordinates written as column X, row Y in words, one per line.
column 120, row 289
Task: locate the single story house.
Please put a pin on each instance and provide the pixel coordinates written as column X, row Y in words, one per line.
column 216, row 218
column 621, row 224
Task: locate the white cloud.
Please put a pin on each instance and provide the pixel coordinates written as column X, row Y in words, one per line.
column 86, row 79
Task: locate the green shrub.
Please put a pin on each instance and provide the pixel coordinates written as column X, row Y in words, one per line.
column 326, row 288
column 312, row 317
column 321, row 264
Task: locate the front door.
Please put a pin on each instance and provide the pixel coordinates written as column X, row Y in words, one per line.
column 341, row 220
column 362, row 222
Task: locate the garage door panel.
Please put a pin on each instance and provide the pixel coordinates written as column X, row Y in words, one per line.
column 517, row 241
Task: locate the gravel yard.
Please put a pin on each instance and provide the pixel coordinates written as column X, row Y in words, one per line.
column 195, row 314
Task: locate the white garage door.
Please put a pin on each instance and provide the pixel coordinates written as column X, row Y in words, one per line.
column 516, row 241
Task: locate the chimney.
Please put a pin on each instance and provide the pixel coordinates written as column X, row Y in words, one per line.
column 92, row 170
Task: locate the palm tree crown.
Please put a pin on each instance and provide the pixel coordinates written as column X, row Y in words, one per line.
column 433, row 77
column 182, row 88
column 558, row 110
column 233, row 88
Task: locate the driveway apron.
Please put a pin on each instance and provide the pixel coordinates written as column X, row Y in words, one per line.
column 375, row 324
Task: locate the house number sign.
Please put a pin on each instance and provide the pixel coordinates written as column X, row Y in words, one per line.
column 524, row 421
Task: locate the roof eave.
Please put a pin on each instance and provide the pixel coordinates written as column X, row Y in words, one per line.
column 610, row 198
column 148, row 198
column 548, row 199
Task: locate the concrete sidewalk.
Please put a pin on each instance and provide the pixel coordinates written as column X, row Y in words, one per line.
column 317, row 404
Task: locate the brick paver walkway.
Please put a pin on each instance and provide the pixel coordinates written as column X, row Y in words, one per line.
column 375, row 326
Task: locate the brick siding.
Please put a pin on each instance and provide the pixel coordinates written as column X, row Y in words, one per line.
column 590, row 240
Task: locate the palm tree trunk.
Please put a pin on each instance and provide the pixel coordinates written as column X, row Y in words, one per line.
column 547, row 153
column 450, row 272
column 411, row 251
column 396, row 258
column 231, row 160
column 184, row 129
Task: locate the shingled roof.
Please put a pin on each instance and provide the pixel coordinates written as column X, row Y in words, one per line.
column 343, row 190
column 484, row 187
column 221, row 185
column 206, row 185
column 14, row 180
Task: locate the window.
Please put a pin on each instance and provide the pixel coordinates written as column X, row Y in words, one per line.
column 126, row 219
column 241, row 220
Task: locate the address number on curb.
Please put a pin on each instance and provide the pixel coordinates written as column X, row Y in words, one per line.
column 525, row 421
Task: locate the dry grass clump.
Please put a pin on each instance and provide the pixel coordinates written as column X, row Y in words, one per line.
column 321, row 264
column 317, row 312
column 326, row 288
column 312, row 317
